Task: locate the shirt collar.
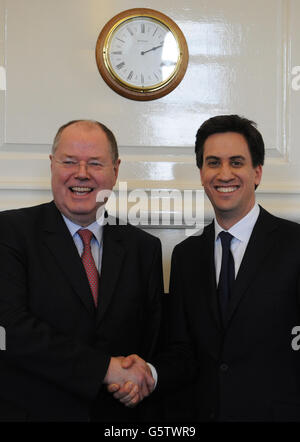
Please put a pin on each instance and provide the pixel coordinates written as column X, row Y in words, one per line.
column 242, row 229
column 96, row 227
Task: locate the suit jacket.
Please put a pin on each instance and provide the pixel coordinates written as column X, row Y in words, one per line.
column 58, row 345
column 247, row 370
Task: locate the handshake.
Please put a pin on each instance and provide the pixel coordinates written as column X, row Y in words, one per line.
column 129, row 379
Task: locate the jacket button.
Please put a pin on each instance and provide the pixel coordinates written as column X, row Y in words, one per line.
column 212, row 416
column 224, row 367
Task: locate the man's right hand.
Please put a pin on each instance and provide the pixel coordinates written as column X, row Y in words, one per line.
column 129, row 379
column 131, row 393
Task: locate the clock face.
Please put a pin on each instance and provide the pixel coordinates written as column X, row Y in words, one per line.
column 142, row 52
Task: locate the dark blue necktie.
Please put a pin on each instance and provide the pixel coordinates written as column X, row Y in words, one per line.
column 226, row 278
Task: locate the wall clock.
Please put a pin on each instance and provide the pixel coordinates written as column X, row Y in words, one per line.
column 142, row 54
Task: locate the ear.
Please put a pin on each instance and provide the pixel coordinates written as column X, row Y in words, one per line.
column 258, row 174
column 116, row 168
column 200, row 170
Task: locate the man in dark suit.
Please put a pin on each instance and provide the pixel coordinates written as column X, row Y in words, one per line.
column 234, row 305
column 67, row 328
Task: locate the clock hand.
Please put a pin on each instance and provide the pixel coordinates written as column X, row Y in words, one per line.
column 152, row 49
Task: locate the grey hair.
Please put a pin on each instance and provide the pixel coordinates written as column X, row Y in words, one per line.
column 89, row 123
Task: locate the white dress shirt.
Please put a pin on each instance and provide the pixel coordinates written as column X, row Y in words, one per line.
column 241, row 232
column 96, row 242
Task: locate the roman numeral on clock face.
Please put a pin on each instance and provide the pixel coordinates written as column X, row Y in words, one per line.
column 120, row 65
column 130, row 75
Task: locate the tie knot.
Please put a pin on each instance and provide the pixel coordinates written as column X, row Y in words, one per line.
column 86, row 236
column 225, row 239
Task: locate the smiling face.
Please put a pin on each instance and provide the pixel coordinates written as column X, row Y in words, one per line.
column 75, row 186
column 228, row 176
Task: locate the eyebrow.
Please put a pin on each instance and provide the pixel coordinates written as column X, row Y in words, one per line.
column 75, row 156
column 234, row 157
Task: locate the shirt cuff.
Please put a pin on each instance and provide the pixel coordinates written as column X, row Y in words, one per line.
column 154, row 373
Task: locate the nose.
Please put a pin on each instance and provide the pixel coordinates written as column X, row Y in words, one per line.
column 82, row 171
column 225, row 172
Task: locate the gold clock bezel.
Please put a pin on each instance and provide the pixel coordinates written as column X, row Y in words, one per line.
column 119, row 85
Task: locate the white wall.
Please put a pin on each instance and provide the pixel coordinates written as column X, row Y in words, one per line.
column 241, row 59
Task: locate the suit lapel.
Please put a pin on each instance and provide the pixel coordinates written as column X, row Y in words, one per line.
column 112, row 262
column 259, row 246
column 60, row 243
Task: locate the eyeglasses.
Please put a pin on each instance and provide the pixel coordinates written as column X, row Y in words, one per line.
column 92, row 165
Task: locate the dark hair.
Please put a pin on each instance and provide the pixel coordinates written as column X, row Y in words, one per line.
column 91, row 124
column 231, row 123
